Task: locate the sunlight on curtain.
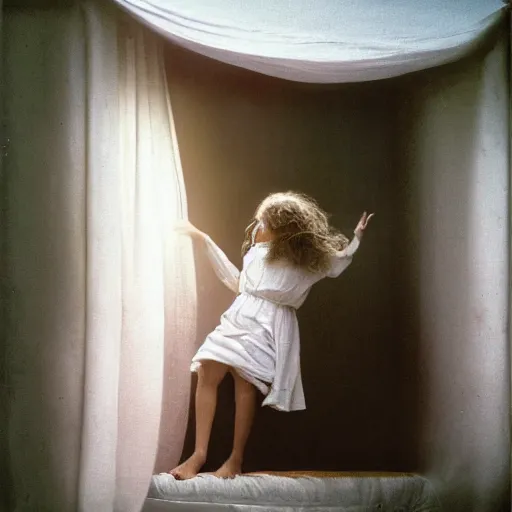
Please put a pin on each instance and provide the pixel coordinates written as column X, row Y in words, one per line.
column 103, row 304
column 149, row 151
column 136, row 194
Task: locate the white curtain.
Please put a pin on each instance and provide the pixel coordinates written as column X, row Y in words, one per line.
column 323, row 40
column 103, row 292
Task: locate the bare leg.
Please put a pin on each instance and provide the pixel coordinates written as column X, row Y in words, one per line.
column 245, row 397
column 210, row 375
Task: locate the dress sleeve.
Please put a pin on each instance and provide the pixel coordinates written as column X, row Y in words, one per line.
column 223, row 268
column 342, row 259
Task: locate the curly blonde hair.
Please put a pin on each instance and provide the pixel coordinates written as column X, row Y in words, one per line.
column 302, row 234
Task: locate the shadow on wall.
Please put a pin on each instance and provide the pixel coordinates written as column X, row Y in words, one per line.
column 438, row 156
column 456, row 143
column 243, row 135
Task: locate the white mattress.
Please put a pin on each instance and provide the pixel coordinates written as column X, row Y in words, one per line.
column 393, row 493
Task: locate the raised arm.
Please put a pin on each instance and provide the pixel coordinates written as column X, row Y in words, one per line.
column 342, row 259
column 223, row 268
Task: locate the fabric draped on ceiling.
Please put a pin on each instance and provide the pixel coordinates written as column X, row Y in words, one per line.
column 102, row 326
column 323, row 41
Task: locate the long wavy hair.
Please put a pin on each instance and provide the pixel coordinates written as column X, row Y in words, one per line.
column 302, row 236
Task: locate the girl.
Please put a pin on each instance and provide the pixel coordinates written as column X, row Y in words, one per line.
column 288, row 247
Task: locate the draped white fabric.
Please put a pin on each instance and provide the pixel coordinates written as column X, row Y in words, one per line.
column 104, row 291
column 323, row 41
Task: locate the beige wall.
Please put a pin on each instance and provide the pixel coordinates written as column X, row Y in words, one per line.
column 44, row 108
column 456, row 143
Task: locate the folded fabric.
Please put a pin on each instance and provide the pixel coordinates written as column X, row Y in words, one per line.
column 323, row 41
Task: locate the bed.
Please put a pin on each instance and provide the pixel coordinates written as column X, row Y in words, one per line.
column 294, row 491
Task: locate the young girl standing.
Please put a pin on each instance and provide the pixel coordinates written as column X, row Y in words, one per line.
column 288, row 247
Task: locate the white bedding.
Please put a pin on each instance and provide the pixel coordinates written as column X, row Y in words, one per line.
column 276, row 493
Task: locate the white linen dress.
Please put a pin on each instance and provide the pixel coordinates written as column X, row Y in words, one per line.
column 258, row 335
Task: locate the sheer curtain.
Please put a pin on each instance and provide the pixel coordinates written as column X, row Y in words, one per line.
column 103, row 291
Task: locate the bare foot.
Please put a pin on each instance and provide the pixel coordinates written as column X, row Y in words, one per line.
column 190, row 468
column 231, row 468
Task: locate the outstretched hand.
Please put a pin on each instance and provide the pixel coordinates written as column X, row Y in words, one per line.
column 363, row 224
column 185, row 227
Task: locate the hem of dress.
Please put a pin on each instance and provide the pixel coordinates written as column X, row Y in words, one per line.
column 261, row 386
column 285, row 405
column 282, row 408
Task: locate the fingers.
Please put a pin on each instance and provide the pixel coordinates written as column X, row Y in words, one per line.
column 365, row 218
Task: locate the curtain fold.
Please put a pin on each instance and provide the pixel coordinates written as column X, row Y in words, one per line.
column 104, row 293
column 103, row 260
column 323, row 41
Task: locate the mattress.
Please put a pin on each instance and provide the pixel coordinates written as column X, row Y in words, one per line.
column 296, row 491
